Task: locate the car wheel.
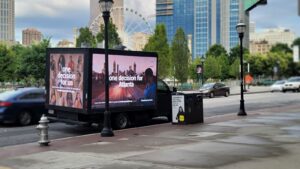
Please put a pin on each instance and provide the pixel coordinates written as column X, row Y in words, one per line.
column 121, row 121
column 211, row 95
column 283, row 91
column 25, row 118
column 226, row 94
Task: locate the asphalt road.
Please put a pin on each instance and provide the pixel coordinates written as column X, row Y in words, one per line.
column 14, row 135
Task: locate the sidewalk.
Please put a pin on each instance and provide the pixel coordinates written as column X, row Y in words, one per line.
column 268, row 139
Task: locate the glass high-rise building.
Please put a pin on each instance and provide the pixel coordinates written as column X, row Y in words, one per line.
column 206, row 22
column 7, row 21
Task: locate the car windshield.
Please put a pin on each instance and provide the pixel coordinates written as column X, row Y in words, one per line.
column 207, row 86
column 280, row 82
column 8, row 95
column 294, row 79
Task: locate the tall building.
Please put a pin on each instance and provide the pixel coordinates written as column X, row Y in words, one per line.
column 175, row 14
column 208, row 22
column 7, row 21
column 273, row 36
column 252, row 27
column 30, row 36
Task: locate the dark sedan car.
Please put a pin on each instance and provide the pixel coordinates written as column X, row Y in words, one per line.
column 23, row 106
column 215, row 89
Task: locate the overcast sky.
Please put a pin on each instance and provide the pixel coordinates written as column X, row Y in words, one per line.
column 57, row 18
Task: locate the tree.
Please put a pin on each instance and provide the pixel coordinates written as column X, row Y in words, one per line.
column 216, row 51
column 34, row 61
column 6, row 63
column 234, row 69
column 235, row 53
column 281, row 47
column 257, row 63
column 158, row 43
column 223, row 62
column 85, row 37
column 211, row 68
column 113, row 36
column 296, row 42
column 180, row 55
column 18, row 52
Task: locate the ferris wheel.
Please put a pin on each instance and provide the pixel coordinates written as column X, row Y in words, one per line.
column 129, row 23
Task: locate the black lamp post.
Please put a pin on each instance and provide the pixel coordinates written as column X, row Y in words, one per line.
column 241, row 28
column 202, row 73
column 106, row 6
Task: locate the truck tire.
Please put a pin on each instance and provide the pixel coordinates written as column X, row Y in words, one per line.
column 121, row 121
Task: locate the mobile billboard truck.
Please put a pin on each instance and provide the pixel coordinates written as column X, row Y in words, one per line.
column 75, row 85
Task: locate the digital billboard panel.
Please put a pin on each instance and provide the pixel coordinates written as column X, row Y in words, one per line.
column 66, row 80
column 132, row 81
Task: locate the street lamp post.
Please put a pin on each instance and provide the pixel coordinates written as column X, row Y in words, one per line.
column 241, row 27
column 202, row 73
column 106, row 6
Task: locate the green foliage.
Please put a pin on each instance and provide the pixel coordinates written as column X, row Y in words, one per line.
column 296, row 42
column 263, row 65
column 217, row 63
column 223, row 62
column 113, row 36
column 158, row 43
column 33, row 62
column 257, row 64
column 217, row 51
column 6, row 63
column 180, row 55
column 85, row 37
column 235, row 68
column 235, row 53
column 281, row 47
column 212, row 69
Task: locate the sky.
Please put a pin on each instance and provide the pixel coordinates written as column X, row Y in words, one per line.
column 57, row 18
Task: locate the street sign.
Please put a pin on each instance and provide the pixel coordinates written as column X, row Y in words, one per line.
column 296, row 52
column 250, row 4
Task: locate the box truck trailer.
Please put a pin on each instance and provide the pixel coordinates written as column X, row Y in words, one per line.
column 75, row 86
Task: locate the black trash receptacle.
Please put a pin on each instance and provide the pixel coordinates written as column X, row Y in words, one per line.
column 187, row 108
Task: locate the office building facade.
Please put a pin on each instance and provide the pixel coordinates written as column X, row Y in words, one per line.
column 7, row 21
column 207, row 22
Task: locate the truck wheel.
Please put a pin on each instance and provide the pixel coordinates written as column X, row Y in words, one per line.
column 121, row 121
